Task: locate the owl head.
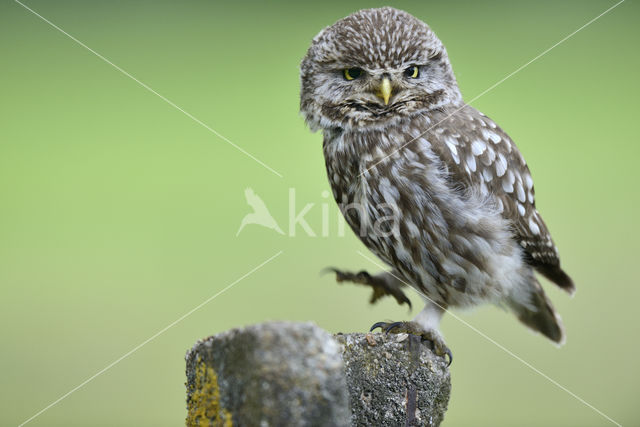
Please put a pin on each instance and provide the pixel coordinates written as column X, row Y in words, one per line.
column 374, row 68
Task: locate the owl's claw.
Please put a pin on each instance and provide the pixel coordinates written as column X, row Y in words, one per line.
column 381, row 325
column 386, row 327
column 413, row 328
column 382, row 284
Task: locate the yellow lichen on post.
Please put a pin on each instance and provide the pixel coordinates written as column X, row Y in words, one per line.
column 203, row 403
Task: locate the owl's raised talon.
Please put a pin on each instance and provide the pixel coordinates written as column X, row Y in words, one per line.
column 362, row 277
column 382, row 284
column 413, row 328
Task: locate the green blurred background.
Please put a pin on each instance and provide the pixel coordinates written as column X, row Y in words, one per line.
column 119, row 213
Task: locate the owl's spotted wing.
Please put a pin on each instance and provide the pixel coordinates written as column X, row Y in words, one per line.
column 481, row 156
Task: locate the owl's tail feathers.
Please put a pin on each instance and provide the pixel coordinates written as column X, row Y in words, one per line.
column 538, row 314
column 557, row 276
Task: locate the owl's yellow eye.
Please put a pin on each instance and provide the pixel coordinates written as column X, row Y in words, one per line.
column 412, row 72
column 352, row 73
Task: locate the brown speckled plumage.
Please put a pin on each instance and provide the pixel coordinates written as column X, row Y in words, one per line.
column 455, row 195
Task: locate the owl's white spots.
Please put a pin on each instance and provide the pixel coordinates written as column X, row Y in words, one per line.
column 521, row 209
column 483, row 188
column 414, row 133
column 528, row 181
column 402, row 252
column 491, row 154
column 501, row 165
column 451, row 143
column 411, row 155
column 507, row 186
column 394, row 170
column 478, row 147
column 533, row 226
column 491, row 136
column 425, row 143
column 414, row 231
column 471, row 162
column 510, row 176
column 520, row 192
column 509, row 146
column 500, row 205
column 487, row 175
column 389, row 192
column 530, row 196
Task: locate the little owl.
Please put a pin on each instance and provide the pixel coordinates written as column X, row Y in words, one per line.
column 432, row 186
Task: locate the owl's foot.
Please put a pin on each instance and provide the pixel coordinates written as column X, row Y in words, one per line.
column 382, row 284
column 413, row 328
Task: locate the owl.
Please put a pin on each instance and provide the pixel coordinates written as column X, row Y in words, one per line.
column 433, row 187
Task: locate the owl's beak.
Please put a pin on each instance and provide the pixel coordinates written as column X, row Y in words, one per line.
column 384, row 91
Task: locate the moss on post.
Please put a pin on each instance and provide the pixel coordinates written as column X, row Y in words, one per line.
column 203, row 399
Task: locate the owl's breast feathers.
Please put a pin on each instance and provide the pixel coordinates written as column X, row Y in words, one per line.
column 463, row 195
